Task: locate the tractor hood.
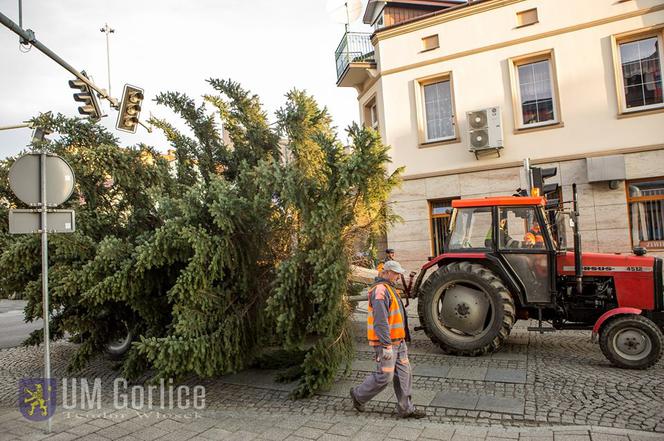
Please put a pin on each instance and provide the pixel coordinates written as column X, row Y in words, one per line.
column 602, row 264
column 634, row 277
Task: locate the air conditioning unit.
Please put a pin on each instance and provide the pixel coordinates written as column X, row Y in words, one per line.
column 485, row 131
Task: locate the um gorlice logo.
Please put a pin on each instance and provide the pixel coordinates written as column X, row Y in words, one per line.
column 37, row 398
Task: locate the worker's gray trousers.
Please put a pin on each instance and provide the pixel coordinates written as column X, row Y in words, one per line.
column 396, row 371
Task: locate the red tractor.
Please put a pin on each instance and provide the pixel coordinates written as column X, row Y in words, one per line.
column 506, row 260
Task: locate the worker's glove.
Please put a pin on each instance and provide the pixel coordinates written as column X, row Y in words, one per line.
column 388, row 353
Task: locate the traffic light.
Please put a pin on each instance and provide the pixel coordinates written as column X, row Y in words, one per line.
column 130, row 109
column 549, row 191
column 39, row 134
column 90, row 107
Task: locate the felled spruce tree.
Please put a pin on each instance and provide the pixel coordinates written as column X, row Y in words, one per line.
column 221, row 235
column 333, row 194
column 228, row 249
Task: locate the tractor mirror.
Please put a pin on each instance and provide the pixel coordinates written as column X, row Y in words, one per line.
column 561, row 231
column 552, row 204
column 640, row 251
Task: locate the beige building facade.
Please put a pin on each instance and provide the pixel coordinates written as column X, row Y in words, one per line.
column 575, row 84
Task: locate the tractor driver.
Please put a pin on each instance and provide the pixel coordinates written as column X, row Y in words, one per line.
column 503, row 235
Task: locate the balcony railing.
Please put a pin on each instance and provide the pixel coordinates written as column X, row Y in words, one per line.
column 354, row 47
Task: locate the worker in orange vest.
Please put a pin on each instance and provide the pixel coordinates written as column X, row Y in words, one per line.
column 387, row 331
column 534, row 237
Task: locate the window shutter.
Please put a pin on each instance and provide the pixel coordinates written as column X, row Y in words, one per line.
column 527, row 17
column 430, row 42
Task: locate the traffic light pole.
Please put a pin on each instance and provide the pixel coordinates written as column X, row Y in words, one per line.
column 29, row 37
column 529, row 177
column 16, row 126
column 20, row 15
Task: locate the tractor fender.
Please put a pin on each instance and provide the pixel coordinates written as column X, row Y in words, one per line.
column 440, row 260
column 607, row 315
column 484, row 258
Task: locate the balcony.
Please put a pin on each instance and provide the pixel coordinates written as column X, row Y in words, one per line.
column 354, row 56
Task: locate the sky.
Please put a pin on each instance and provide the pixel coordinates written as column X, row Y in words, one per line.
column 268, row 46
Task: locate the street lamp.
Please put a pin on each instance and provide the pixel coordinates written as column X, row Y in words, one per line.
column 107, row 30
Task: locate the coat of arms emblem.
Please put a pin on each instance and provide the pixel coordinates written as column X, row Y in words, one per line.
column 37, row 398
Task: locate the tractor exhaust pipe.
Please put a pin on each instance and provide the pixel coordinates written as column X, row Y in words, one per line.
column 578, row 264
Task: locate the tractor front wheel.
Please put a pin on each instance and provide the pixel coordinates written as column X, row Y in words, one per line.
column 466, row 309
column 631, row 342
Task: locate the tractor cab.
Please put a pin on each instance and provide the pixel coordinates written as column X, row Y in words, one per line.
column 513, row 232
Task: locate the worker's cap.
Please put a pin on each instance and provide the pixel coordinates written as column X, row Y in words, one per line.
column 389, row 250
column 394, row 266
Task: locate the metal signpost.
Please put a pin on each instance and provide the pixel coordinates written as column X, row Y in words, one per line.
column 42, row 180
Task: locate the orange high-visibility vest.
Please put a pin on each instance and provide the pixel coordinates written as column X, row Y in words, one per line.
column 395, row 320
column 535, row 237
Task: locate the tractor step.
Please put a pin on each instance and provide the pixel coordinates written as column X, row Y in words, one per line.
column 541, row 329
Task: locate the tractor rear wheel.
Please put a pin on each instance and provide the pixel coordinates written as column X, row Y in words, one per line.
column 631, row 342
column 466, row 309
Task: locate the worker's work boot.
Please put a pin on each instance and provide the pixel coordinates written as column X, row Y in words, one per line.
column 356, row 404
column 415, row 414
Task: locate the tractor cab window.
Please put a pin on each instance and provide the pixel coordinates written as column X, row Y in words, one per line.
column 519, row 229
column 471, row 228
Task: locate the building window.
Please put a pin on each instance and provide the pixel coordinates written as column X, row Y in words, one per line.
column 430, row 42
column 638, row 62
column 371, row 114
column 526, row 18
column 438, row 111
column 435, row 109
column 380, row 22
column 535, row 91
column 645, row 198
column 373, row 111
column 440, row 212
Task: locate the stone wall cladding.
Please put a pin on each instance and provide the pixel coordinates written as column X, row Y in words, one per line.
column 604, row 214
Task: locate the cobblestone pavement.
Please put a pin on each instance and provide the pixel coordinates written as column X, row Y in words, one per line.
column 131, row 425
column 547, row 383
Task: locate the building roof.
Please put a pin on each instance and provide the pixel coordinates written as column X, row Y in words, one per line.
column 435, row 5
column 456, row 6
column 500, row 200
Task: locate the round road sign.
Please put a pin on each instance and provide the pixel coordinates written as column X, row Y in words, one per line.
column 25, row 182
